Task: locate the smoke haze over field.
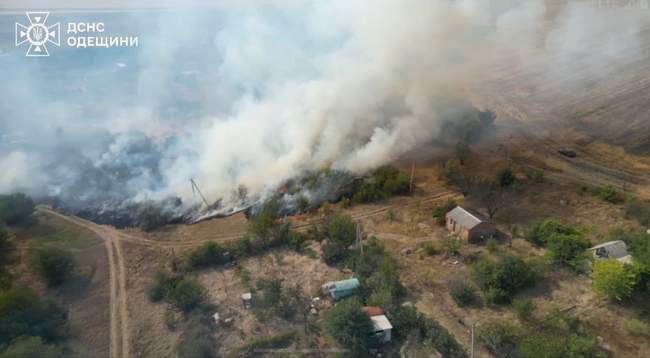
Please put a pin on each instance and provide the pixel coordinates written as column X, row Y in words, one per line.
column 253, row 93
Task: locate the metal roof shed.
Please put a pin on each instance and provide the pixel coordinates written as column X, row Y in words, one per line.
column 344, row 288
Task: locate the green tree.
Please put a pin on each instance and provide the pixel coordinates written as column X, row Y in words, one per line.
column 463, row 294
column 350, row 327
column 31, row 347
column 16, row 209
column 54, row 265
column 613, row 279
column 568, row 250
column 186, row 294
column 340, row 231
column 501, row 279
column 524, row 309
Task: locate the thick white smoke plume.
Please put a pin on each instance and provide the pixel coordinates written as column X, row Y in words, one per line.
column 253, row 93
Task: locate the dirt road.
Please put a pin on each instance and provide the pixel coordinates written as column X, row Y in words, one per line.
column 119, row 331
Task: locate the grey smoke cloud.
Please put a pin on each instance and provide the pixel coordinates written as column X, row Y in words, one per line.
column 255, row 93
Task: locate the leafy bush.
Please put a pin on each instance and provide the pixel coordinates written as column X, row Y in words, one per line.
column 350, row 327
column 430, row 249
column 452, row 245
column 636, row 327
column 536, row 175
column 524, row 309
column 182, row 292
column 440, row 213
column 24, row 313
column 565, row 243
column 185, row 294
column 638, row 210
column 334, row 253
column 32, row 347
column 540, row 233
column 613, row 279
column 610, row 195
column 568, row 250
column 506, row 178
column 207, row 255
column 499, row 338
column 492, row 245
column 170, row 320
column 391, row 215
column 463, row 294
column 297, row 240
column 16, row 209
column 263, row 224
column 451, row 172
column 54, row 265
column 501, row 280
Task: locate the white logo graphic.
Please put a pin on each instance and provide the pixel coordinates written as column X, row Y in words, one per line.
column 38, row 34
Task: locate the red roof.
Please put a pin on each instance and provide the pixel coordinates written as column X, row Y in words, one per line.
column 373, row 311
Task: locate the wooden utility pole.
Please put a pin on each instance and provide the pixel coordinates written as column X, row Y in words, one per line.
column 195, row 189
column 412, row 177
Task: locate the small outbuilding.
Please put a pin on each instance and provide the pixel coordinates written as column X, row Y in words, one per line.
column 341, row 289
column 372, row 311
column 247, row 300
column 382, row 328
column 469, row 225
column 616, row 250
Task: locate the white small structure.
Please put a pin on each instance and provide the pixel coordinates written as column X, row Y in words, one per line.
column 216, row 318
column 382, row 327
column 247, row 300
column 616, row 250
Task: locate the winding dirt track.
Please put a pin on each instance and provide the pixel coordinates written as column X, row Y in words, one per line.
column 119, row 341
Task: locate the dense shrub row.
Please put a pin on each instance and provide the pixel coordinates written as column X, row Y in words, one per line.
column 385, row 182
column 559, row 335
